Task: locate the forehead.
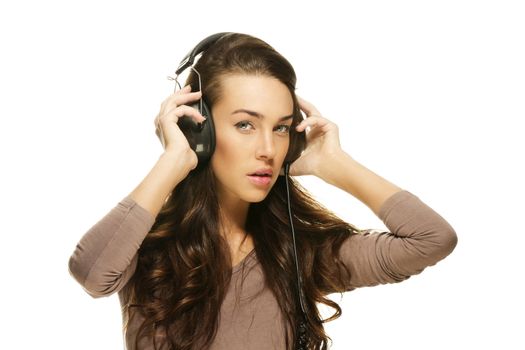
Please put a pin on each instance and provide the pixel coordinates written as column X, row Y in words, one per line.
column 263, row 94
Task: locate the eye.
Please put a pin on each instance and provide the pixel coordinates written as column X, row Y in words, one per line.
column 244, row 122
column 286, row 128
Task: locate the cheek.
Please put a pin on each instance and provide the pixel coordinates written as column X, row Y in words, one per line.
column 228, row 150
column 286, row 145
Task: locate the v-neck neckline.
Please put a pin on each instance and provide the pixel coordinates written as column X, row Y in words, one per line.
column 243, row 261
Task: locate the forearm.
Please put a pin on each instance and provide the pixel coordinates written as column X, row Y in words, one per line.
column 357, row 180
column 165, row 175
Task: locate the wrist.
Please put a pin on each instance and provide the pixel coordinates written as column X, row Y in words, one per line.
column 178, row 164
column 332, row 161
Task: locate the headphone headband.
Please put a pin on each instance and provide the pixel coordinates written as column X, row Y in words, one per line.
column 201, row 46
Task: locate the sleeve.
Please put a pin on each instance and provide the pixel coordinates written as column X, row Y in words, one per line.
column 419, row 237
column 105, row 258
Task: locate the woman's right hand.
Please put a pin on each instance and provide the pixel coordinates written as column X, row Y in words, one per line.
column 166, row 128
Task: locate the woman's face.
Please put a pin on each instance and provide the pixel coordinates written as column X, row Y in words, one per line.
column 246, row 143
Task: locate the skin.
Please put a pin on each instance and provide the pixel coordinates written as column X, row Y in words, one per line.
column 245, row 143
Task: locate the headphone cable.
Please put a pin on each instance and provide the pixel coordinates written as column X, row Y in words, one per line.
column 302, row 325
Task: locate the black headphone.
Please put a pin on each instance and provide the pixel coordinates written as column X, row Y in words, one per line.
column 201, row 137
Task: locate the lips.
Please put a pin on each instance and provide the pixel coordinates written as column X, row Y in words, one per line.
column 261, row 177
column 262, row 172
column 262, row 180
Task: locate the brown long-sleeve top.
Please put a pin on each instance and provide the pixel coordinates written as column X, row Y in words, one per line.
column 105, row 258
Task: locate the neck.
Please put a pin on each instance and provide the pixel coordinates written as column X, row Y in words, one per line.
column 233, row 214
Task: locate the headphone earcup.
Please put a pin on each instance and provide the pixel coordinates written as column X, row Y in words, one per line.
column 201, row 137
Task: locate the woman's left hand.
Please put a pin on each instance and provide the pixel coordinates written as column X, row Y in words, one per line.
column 322, row 141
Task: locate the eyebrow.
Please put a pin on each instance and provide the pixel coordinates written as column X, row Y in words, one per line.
column 259, row 115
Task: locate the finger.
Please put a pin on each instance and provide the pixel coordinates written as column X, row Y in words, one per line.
column 185, row 89
column 312, row 122
column 307, row 107
column 182, row 99
column 176, row 96
column 178, row 99
column 184, row 110
column 304, row 124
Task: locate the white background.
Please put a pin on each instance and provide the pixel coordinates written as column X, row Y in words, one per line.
column 428, row 95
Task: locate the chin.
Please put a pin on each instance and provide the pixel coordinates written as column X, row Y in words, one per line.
column 256, row 196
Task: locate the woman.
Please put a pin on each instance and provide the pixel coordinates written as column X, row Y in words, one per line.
column 201, row 255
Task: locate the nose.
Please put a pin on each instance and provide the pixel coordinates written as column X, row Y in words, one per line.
column 265, row 146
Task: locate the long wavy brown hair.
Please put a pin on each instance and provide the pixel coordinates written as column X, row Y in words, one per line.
column 184, row 264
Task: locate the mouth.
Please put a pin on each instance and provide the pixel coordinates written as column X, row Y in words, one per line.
column 260, row 180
